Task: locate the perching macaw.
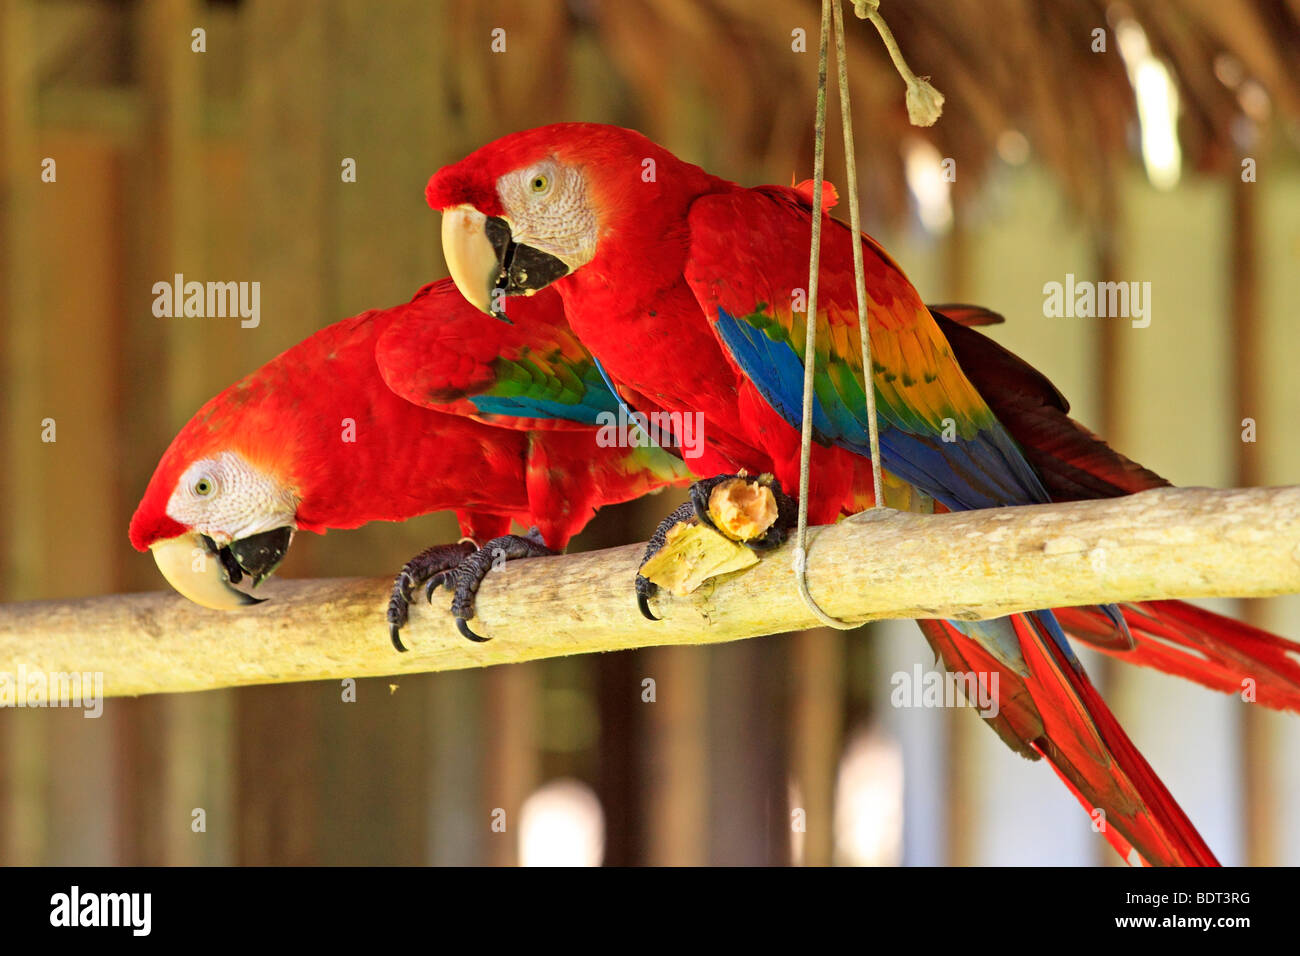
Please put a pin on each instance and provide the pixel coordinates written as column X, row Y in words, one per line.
column 535, row 376
column 687, row 288
column 345, row 428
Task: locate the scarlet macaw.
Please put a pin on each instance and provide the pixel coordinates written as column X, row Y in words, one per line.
column 687, row 288
column 534, row 376
column 366, row 420
column 498, row 372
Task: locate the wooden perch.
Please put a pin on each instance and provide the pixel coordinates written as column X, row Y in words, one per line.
column 1166, row 543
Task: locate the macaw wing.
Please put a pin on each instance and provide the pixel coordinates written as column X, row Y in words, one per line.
column 532, row 374
column 936, row 432
column 967, row 315
column 1072, row 462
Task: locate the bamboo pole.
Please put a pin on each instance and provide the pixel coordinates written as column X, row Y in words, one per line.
column 1164, row 543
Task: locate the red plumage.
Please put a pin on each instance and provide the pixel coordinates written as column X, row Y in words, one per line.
column 1063, row 719
column 1172, row 636
column 288, row 418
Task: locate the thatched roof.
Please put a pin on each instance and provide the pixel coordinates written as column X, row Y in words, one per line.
column 719, row 80
column 1007, row 67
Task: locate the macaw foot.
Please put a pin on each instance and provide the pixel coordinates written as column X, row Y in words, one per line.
column 464, row 579
column 425, row 565
column 698, row 508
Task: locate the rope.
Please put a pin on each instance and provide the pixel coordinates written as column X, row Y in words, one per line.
column 859, row 272
column 810, row 333
column 924, row 104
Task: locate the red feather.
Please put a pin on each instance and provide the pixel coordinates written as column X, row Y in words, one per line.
column 406, row 460
column 1172, row 636
column 1056, row 713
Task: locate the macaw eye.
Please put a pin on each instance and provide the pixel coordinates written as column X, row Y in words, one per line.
column 203, row 486
column 540, row 183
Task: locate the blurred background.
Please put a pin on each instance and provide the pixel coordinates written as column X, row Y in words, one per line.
column 1150, row 142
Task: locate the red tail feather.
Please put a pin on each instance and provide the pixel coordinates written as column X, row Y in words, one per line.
column 1122, row 782
column 1187, row 641
column 1171, row 636
column 1056, row 711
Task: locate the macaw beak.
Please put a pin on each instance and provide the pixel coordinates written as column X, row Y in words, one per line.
column 199, row 570
column 487, row 264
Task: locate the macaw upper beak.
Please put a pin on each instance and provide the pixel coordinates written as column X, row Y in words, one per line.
column 207, row 575
column 487, row 264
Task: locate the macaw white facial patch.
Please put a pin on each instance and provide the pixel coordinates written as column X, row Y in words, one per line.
column 547, row 207
column 226, row 498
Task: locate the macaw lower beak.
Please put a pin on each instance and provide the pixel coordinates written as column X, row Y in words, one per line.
column 199, row 570
column 487, row 264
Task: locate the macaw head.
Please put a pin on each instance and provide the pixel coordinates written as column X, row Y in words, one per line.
column 536, row 206
column 219, row 508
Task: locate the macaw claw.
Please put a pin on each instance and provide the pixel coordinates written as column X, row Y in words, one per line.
column 465, row 578
column 698, row 508
column 468, row 633
column 645, row 590
column 429, row 563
